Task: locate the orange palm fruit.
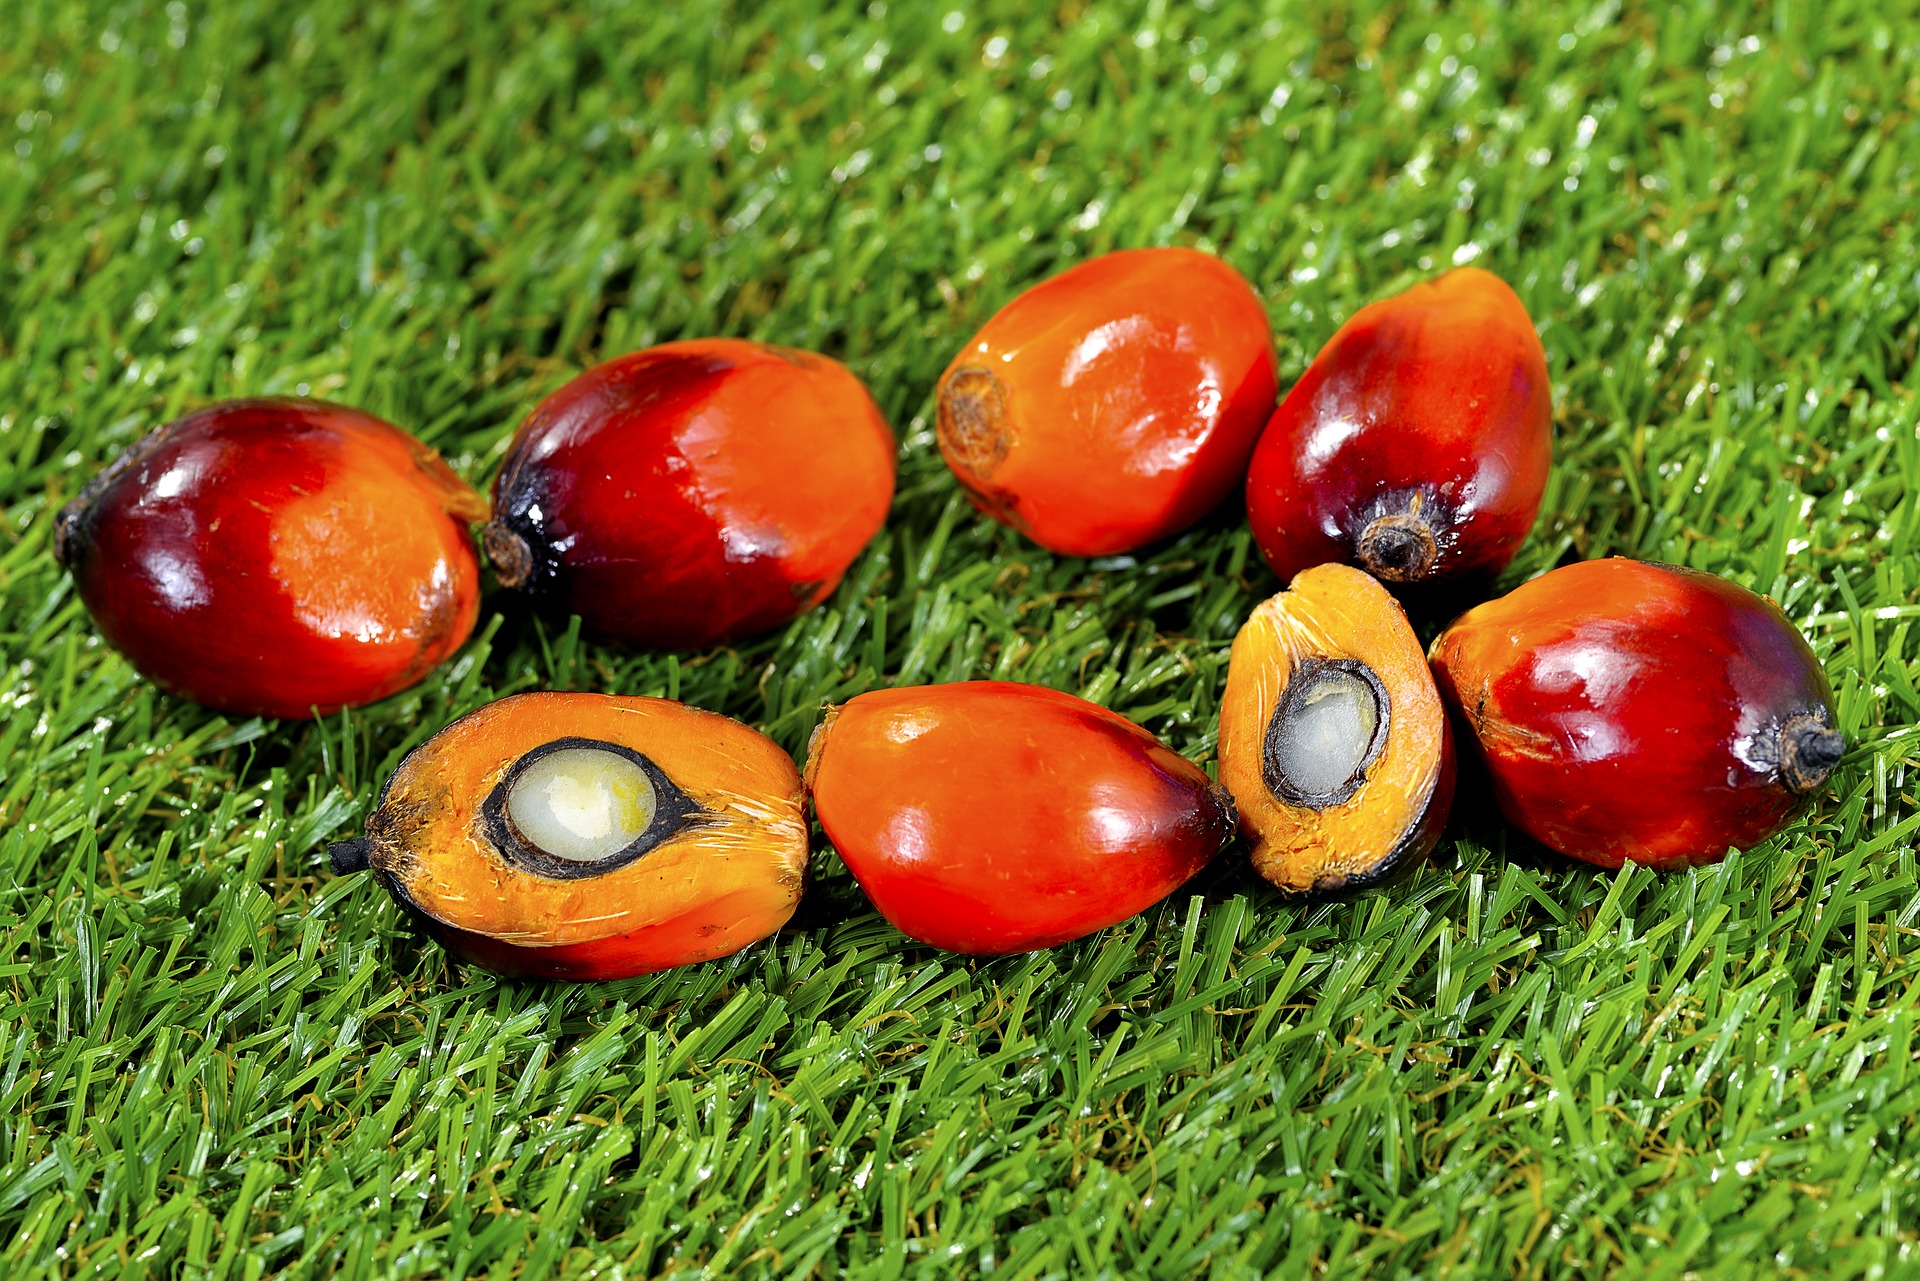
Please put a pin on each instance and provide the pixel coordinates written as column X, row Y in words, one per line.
column 992, row 817
column 1113, row 405
column 584, row 836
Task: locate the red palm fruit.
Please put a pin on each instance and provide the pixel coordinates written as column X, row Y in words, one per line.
column 277, row 557
column 1632, row 711
column 992, row 817
column 1417, row 443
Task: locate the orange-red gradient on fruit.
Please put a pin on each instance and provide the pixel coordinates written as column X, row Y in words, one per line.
column 277, row 557
column 1113, row 405
column 727, row 870
column 1417, row 443
column 992, row 817
column 694, row 493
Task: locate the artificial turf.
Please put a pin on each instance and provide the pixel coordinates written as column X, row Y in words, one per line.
column 217, row 1059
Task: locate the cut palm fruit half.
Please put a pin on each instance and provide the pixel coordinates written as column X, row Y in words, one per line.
column 1333, row 739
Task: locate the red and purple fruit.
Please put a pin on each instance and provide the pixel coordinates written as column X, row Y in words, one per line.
column 694, row 493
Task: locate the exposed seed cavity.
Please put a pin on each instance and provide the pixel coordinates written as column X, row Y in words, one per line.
column 512, row 558
column 975, row 431
column 1398, row 548
column 1809, row 749
column 582, row 804
column 1330, row 724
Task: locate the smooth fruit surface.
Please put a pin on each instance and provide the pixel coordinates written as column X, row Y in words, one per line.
column 1417, row 443
column 1628, row 710
column 993, row 817
column 1333, row 739
column 586, row 836
column 1114, row 404
column 694, row 493
column 277, row 557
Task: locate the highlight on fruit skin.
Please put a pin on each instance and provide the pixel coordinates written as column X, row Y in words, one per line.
column 1333, row 739
column 990, row 817
column 1114, row 404
column 277, row 557
column 588, row 836
column 694, row 493
column 1416, row 445
column 1627, row 710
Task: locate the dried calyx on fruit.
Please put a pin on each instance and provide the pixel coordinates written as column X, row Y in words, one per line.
column 277, row 557
column 694, row 493
column 992, row 817
column 1333, row 740
column 1114, row 404
column 590, row 837
column 1417, row 443
column 1635, row 711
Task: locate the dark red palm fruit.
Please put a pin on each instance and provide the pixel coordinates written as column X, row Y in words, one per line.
column 694, row 493
column 991, row 817
column 1113, row 405
column 1417, row 444
column 1633, row 711
column 277, row 557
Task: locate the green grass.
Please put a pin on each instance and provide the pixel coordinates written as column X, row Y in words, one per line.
column 218, row 1060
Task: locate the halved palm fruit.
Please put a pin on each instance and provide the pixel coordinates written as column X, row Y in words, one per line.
column 586, row 836
column 1333, row 739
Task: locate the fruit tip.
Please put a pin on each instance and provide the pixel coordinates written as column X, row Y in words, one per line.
column 1809, row 750
column 512, row 558
column 1398, row 548
column 350, row 856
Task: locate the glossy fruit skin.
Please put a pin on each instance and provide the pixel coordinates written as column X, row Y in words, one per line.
column 277, row 557
column 694, row 493
column 991, row 817
column 1113, row 405
column 1634, row 711
column 1429, row 411
column 724, row 882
